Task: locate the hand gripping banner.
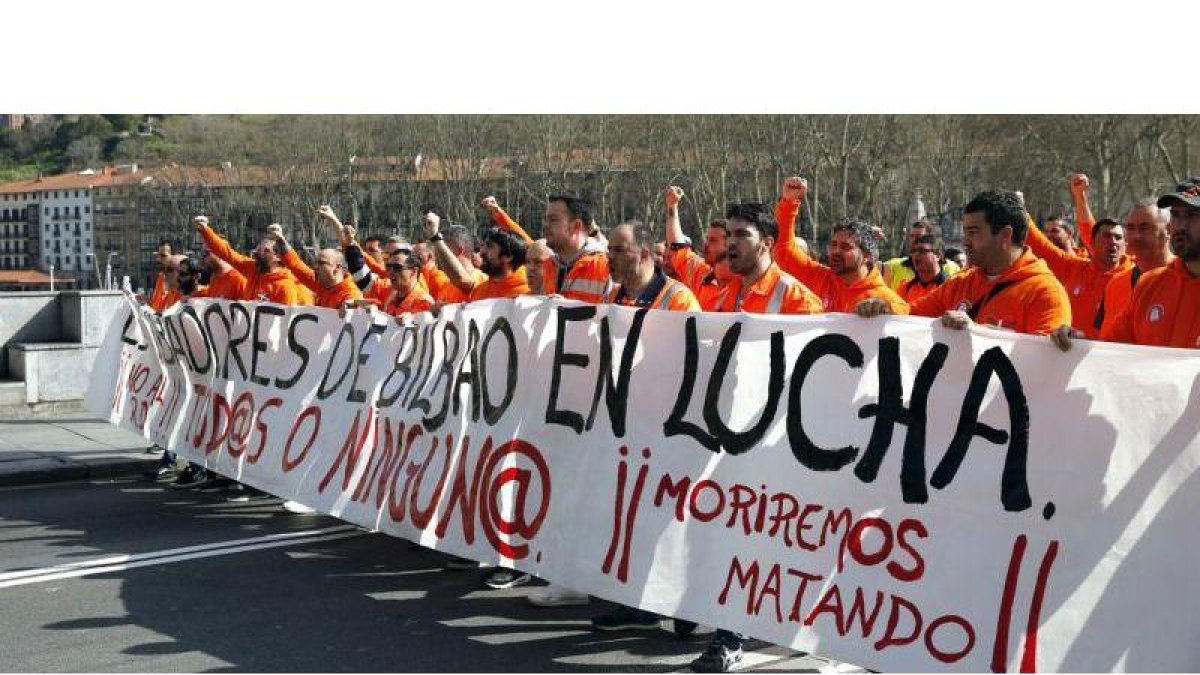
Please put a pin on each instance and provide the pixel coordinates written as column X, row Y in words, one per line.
column 885, row 492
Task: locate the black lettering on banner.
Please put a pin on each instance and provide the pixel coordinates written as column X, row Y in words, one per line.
column 126, row 338
column 675, row 424
column 616, row 395
column 221, row 365
column 209, row 350
column 175, row 339
column 890, row 411
column 566, row 418
column 445, row 374
column 468, row 373
column 298, row 349
column 357, row 395
column 424, row 362
column 808, row 453
column 256, row 345
column 230, row 351
column 419, row 402
column 1014, row 486
column 165, row 351
column 401, row 366
column 735, row 443
column 345, row 335
column 493, row 413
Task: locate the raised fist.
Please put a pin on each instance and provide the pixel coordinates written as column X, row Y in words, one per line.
column 674, row 195
column 275, row 230
column 490, row 203
column 200, row 220
column 1079, row 183
column 795, row 189
column 326, row 211
column 432, row 220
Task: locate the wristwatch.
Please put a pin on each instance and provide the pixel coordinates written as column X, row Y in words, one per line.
column 436, row 237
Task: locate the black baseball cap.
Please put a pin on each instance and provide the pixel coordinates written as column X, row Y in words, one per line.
column 1187, row 192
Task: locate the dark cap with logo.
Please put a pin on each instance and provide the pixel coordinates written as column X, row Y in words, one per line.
column 1187, row 192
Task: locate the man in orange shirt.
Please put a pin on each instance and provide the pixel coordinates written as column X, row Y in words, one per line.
column 453, row 246
column 170, row 294
column 705, row 275
column 332, row 287
column 223, row 281
column 267, row 280
column 640, row 281
column 759, row 285
column 1165, row 308
column 851, row 275
column 1061, row 234
column 1086, row 278
column 926, row 257
column 1006, row 286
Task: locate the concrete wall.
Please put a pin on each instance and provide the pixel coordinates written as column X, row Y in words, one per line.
column 33, row 316
column 50, row 340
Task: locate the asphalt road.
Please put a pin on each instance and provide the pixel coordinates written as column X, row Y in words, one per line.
column 141, row 577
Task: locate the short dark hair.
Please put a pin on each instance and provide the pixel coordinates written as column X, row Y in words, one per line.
column 721, row 224
column 755, row 213
column 952, row 252
column 408, row 259
column 510, row 245
column 371, row 239
column 1102, row 224
column 167, row 243
column 577, row 206
column 861, row 233
column 1001, row 210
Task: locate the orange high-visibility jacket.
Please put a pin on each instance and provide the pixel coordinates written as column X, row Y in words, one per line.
column 1164, row 310
column 1082, row 277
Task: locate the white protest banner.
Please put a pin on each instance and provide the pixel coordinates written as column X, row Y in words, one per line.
column 884, row 492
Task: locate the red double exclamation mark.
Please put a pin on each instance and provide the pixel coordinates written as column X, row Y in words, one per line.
column 1000, row 648
column 623, row 517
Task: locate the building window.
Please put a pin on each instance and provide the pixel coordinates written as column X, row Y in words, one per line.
column 87, row 226
column 87, row 209
column 45, row 210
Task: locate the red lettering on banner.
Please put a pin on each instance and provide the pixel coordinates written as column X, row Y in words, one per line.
column 420, row 516
column 288, row 462
column 764, row 586
column 464, row 496
column 351, row 450
column 492, row 519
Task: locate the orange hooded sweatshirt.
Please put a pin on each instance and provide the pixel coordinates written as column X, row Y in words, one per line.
column 1084, row 280
column 334, row 297
column 835, row 294
column 277, row 286
column 1032, row 300
column 1164, row 310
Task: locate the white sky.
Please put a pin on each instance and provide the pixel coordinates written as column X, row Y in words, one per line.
column 609, row 56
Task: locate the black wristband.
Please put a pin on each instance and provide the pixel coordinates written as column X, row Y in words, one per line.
column 436, row 237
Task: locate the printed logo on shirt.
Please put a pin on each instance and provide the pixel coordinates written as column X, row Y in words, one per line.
column 1155, row 314
column 262, row 297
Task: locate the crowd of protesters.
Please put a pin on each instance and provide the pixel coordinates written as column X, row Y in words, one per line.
column 1134, row 280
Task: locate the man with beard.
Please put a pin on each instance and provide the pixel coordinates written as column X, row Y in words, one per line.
column 1165, row 308
column 1086, row 278
column 502, row 261
column 707, row 274
column 851, row 275
column 223, row 281
column 267, row 280
column 579, row 267
column 1006, row 287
